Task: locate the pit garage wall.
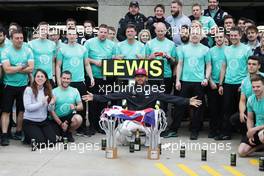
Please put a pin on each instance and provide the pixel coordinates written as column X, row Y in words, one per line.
column 110, row 11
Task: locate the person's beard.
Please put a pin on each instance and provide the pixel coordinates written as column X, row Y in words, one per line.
column 185, row 39
column 175, row 14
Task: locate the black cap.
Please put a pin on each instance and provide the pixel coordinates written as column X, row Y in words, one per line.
column 133, row 3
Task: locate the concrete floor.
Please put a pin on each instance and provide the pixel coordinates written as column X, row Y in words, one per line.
column 84, row 157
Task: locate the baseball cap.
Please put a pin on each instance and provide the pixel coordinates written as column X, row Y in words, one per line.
column 141, row 71
column 133, row 3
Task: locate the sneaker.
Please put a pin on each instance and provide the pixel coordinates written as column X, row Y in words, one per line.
column 17, row 135
column 170, row 134
column 222, row 137
column 89, row 132
column 70, row 138
column 4, row 139
column 212, row 134
column 79, row 132
column 194, row 135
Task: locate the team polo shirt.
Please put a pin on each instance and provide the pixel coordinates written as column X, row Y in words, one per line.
column 217, row 59
column 73, row 57
column 99, row 50
column 165, row 46
column 194, row 58
column 44, row 51
column 236, row 58
column 6, row 45
column 64, row 98
column 246, row 86
column 207, row 22
column 256, row 106
column 130, row 51
column 15, row 58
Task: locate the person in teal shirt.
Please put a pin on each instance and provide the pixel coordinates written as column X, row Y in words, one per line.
column 44, row 52
column 99, row 48
column 18, row 62
column 239, row 119
column 3, row 45
column 193, row 73
column 161, row 48
column 130, row 48
column 64, row 118
column 255, row 120
column 214, row 99
column 233, row 71
column 73, row 57
column 208, row 23
column 164, row 49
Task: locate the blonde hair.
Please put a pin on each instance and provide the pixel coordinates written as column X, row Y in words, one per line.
column 141, row 32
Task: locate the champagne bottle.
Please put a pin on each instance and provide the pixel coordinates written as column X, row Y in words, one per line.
column 137, row 141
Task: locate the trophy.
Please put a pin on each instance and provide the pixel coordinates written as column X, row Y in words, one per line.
column 109, row 125
column 154, row 134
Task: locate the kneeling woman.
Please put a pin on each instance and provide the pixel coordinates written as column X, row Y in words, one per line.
column 36, row 99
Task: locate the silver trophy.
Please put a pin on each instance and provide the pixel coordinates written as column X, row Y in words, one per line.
column 154, row 134
column 109, row 125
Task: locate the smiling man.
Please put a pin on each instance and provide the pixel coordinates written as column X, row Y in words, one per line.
column 65, row 120
column 255, row 120
column 233, row 71
column 18, row 62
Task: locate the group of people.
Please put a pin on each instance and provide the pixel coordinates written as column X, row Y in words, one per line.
column 207, row 57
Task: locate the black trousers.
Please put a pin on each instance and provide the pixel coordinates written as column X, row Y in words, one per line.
column 230, row 106
column 215, row 104
column 42, row 132
column 81, row 86
column 189, row 89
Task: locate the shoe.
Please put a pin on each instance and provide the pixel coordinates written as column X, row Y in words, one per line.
column 226, row 137
column 212, row 134
column 194, row 135
column 89, row 131
column 4, row 139
column 218, row 137
column 171, row 134
column 17, row 135
column 222, row 137
column 69, row 136
column 79, row 132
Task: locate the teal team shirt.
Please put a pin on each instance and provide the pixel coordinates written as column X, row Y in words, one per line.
column 129, row 51
column 73, row 57
column 98, row 50
column 236, row 58
column 246, row 86
column 44, row 51
column 194, row 58
column 217, row 59
column 256, row 106
column 15, row 58
column 6, row 45
column 165, row 46
column 64, row 98
column 208, row 23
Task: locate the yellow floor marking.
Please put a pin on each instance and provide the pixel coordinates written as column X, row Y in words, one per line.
column 210, row 170
column 164, row 169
